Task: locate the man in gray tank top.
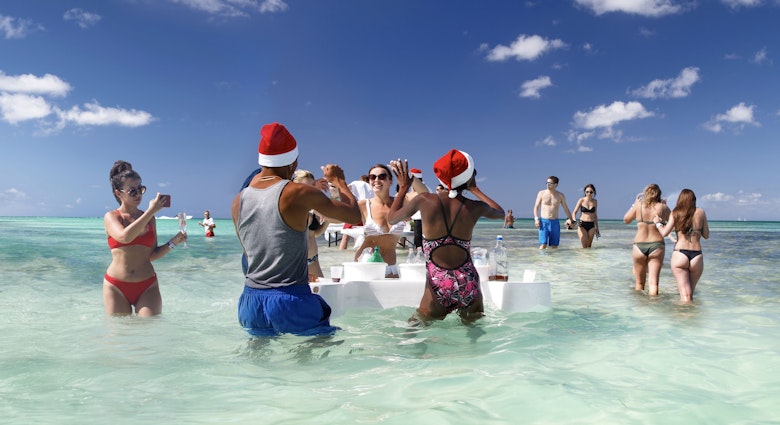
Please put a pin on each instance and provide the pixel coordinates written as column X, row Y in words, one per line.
column 270, row 217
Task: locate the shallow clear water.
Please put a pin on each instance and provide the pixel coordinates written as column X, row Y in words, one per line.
column 603, row 354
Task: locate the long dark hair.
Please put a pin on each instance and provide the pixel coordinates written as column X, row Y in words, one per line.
column 683, row 211
column 119, row 172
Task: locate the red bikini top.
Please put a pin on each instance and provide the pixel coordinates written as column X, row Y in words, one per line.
column 148, row 238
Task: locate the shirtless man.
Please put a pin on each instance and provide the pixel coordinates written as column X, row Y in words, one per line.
column 546, row 214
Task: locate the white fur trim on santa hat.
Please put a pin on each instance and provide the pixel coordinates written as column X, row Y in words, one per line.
column 277, row 146
column 279, row 160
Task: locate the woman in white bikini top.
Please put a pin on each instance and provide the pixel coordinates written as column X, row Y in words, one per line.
column 376, row 228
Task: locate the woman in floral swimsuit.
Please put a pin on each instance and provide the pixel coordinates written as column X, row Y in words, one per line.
column 448, row 220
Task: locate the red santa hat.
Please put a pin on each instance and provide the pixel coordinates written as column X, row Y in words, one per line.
column 277, row 146
column 454, row 169
column 416, row 172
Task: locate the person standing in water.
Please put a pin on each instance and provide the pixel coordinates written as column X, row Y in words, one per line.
column 377, row 231
column 130, row 280
column 448, row 220
column 208, row 224
column 649, row 248
column 270, row 217
column 589, row 220
column 548, row 201
column 690, row 224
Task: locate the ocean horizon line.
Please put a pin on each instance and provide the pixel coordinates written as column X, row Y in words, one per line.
column 164, row 217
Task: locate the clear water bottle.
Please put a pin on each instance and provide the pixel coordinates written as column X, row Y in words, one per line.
column 411, row 258
column 365, row 255
column 498, row 267
column 420, row 258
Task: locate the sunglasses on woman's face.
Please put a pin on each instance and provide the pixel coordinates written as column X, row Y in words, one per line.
column 588, row 191
column 133, row 191
column 373, row 177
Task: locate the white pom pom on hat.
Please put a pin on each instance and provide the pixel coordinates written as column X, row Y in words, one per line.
column 277, row 146
column 454, row 169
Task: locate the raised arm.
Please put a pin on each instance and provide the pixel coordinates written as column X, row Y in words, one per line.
column 346, row 209
column 401, row 210
column 494, row 211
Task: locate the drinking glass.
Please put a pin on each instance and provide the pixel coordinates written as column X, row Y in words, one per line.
column 183, row 226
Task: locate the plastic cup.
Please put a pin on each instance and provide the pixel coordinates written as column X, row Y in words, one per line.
column 335, row 273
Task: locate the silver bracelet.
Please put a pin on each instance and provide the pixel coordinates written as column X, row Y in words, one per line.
column 171, row 245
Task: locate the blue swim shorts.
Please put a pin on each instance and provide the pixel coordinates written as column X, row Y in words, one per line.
column 549, row 232
column 291, row 309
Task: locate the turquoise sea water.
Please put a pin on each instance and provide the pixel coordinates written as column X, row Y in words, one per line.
column 603, row 354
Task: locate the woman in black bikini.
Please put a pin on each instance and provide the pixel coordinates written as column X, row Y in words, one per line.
column 589, row 220
column 648, row 251
column 690, row 223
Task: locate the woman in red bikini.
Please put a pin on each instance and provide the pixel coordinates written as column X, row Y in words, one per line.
column 130, row 280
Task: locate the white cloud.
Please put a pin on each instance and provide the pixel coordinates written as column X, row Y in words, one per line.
column 760, row 56
column 717, row 197
column 94, row 114
column 671, row 88
column 646, row 32
column 15, row 108
column 737, row 117
column 17, row 28
column 273, row 6
column 531, row 88
column 83, row 18
column 234, row 8
column 740, row 3
column 28, row 83
column 604, row 116
column 525, row 47
column 583, row 148
column 749, row 198
column 22, row 99
column 547, row 141
column 740, row 199
column 652, row 8
column 12, row 195
column 601, row 120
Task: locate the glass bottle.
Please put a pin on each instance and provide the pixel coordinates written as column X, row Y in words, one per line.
column 376, row 256
column 498, row 266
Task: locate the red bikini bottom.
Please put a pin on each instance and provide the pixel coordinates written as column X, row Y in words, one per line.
column 131, row 290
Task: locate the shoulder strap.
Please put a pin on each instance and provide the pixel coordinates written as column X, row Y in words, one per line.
column 447, row 225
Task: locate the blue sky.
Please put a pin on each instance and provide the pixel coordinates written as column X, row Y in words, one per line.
column 618, row 93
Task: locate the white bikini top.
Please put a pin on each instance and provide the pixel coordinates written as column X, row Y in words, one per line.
column 370, row 228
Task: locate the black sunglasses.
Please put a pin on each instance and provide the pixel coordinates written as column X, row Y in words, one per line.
column 373, row 177
column 133, row 191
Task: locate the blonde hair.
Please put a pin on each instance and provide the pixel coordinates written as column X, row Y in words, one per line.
column 652, row 194
column 300, row 175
